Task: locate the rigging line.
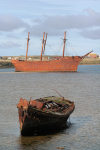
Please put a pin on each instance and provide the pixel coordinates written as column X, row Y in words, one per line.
column 58, row 93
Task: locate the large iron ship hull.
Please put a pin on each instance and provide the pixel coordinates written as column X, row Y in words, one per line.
column 62, row 64
column 44, row 114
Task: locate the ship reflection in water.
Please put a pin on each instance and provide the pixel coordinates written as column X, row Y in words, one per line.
column 35, row 142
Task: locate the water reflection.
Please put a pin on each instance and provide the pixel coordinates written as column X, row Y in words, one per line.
column 35, row 142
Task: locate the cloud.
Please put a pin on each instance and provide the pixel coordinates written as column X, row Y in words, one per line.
column 57, row 24
column 10, row 23
column 86, row 23
column 9, row 44
column 91, row 34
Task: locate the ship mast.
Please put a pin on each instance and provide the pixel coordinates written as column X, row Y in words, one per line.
column 27, row 45
column 43, row 44
column 64, row 43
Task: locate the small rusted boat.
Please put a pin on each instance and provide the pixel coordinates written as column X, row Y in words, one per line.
column 43, row 114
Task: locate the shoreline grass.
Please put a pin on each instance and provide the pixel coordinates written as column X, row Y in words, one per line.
column 90, row 61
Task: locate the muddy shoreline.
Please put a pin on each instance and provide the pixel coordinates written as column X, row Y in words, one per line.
column 6, row 64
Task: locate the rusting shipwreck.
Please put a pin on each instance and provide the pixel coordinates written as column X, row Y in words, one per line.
column 43, row 114
column 64, row 63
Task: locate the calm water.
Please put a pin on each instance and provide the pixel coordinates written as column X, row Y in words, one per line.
column 82, row 87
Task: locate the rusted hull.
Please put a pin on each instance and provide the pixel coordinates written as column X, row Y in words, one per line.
column 39, row 122
column 35, row 118
column 62, row 64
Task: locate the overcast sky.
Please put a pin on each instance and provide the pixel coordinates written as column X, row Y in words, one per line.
column 80, row 19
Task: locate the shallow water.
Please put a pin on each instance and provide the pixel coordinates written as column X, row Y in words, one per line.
column 82, row 87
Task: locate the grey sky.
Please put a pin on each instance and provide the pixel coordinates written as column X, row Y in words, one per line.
column 81, row 19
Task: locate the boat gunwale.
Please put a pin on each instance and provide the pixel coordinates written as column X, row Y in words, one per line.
column 60, row 114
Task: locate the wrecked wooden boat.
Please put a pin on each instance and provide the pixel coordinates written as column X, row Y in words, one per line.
column 43, row 114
